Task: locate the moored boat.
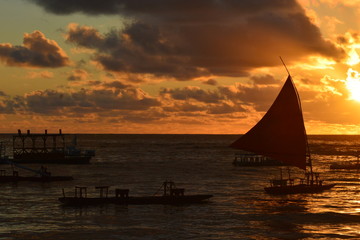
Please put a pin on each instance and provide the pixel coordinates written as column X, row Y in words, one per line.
column 42, row 175
column 281, row 135
column 297, row 188
column 171, row 196
column 254, row 160
column 17, row 178
column 48, row 148
column 300, row 185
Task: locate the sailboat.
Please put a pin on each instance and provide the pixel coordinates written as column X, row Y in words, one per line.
column 281, row 135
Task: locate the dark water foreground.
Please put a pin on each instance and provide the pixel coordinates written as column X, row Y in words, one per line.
column 201, row 164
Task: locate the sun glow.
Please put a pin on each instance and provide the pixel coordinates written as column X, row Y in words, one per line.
column 353, row 84
column 353, row 57
column 316, row 62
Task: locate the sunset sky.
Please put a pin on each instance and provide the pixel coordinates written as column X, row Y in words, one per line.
column 176, row 66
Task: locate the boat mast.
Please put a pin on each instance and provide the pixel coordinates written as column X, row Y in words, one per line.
column 285, row 66
column 306, row 139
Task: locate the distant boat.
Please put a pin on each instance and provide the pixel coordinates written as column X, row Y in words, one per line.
column 281, row 135
column 347, row 165
column 41, row 178
column 254, row 160
column 171, row 196
column 48, row 148
column 42, row 175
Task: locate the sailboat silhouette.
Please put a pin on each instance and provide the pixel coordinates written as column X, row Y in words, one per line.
column 281, row 135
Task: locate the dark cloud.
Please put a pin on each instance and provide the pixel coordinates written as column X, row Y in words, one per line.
column 52, row 102
column 226, row 99
column 264, row 79
column 348, row 38
column 115, row 84
column 9, row 105
column 175, row 10
column 94, row 83
column 85, row 6
column 258, row 97
column 139, row 49
column 206, row 101
column 206, row 96
column 185, row 107
column 85, row 36
column 36, row 51
column 212, row 82
column 143, row 117
column 187, row 39
column 48, row 101
column 225, row 108
column 78, row 75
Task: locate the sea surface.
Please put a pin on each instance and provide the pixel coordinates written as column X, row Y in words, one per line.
column 202, row 164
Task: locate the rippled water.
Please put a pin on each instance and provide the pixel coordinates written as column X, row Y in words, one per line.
column 240, row 209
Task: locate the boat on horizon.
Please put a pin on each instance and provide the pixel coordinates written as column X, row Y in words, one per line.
column 48, row 149
column 254, row 160
column 281, row 135
column 171, row 196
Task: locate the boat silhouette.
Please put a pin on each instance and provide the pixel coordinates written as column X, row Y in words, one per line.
column 281, row 135
column 49, row 148
column 41, row 175
column 254, row 160
column 171, row 196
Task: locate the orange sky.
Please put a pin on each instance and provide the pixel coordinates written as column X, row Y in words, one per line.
column 176, row 66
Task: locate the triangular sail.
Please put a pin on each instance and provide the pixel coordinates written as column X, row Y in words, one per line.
column 280, row 134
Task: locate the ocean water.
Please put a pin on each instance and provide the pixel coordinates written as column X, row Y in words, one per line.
column 202, row 164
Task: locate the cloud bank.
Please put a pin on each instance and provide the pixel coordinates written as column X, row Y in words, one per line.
column 187, row 39
column 36, row 51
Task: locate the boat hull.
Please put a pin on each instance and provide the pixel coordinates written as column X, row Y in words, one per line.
column 262, row 164
column 4, row 179
column 255, row 160
column 165, row 200
column 301, row 188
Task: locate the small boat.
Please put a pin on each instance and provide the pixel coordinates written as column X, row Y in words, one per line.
column 288, row 188
column 281, row 135
column 171, row 196
column 44, row 178
column 347, row 165
column 42, row 175
column 254, row 160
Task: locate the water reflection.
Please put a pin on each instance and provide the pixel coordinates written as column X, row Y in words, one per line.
column 312, row 215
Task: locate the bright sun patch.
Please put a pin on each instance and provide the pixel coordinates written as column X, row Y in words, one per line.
column 353, row 84
column 353, row 57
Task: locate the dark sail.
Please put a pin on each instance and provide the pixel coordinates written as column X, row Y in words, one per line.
column 280, row 134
